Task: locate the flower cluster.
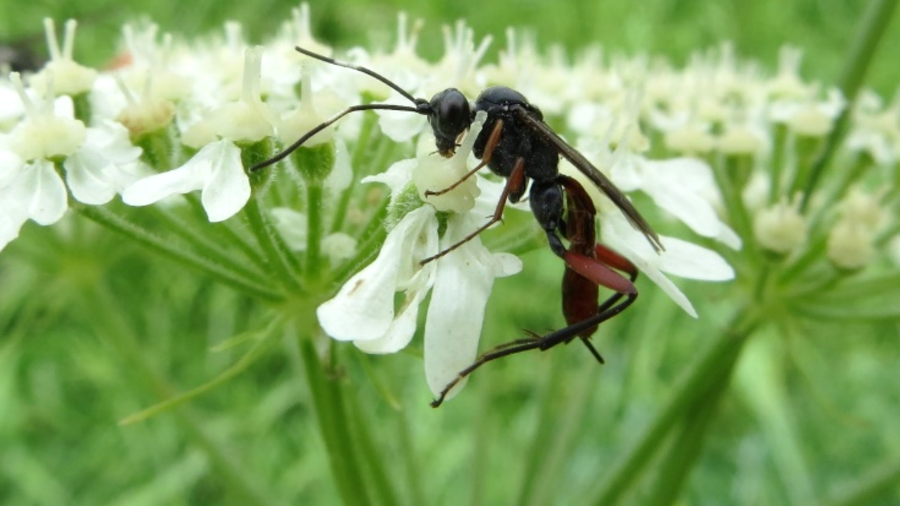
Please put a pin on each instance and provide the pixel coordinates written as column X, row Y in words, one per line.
column 718, row 146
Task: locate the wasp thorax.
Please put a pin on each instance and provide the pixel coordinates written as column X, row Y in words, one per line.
column 450, row 117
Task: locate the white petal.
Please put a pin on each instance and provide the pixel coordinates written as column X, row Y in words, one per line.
column 397, row 125
column 398, row 175
column 228, row 188
column 729, row 237
column 341, row 175
column 112, row 139
column 627, row 174
column 187, row 178
column 10, row 165
column 668, row 287
column 11, row 219
column 456, row 312
column 680, row 186
column 292, row 225
column 363, row 309
column 621, row 237
column 691, row 261
column 86, row 174
column 47, row 196
column 402, row 328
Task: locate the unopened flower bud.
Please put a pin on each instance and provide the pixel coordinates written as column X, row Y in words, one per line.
column 738, row 140
column 810, row 121
column 780, row 228
column 689, row 139
column 850, row 245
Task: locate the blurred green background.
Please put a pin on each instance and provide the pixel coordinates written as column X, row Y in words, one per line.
column 535, row 429
column 672, row 28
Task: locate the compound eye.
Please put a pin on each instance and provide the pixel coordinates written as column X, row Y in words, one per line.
column 453, row 116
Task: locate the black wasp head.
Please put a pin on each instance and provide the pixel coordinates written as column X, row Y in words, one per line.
column 450, row 116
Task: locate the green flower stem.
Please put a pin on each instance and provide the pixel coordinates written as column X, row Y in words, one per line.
column 335, row 426
column 374, row 234
column 561, row 418
column 226, row 233
column 410, row 459
column 807, row 260
column 264, row 232
column 156, row 148
column 112, row 327
column 314, row 226
column 879, row 483
column 738, row 215
column 681, row 456
column 715, row 364
column 359, row 151
column 82, row 107
column 382, row 487
column 233, row 238
column 806, row 148
column 118, row 224
column 778, row 158
column 202, row 246
column 868, row 35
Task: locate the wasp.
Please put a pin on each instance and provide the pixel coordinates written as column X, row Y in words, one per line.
column 589, row 265
column 516, row 144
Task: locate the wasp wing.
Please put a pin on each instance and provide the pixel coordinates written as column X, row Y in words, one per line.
column 597, row 177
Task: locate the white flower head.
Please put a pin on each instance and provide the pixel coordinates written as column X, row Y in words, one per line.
column 781, row 228
column 680, row 258
column 364, row 312
column 216, row 170
column 246, row 120
column 876, row 131
column 98, row 161
column 61, row 73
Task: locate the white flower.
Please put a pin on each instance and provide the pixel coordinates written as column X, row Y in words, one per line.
column 28, row 191
column 61, row 73
column 876, row 129
column 684, row 187
column 98, row 161
column 680, row 258
column 216, row 170
column 363, row 311
column 103, row 166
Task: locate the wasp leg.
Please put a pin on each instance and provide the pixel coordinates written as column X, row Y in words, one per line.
column 515, row 183
column 501, row 351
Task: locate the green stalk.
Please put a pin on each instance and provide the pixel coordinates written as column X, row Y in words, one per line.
column 715, row 363
column 112, row 327
column 738, row 215
column 374, row 234
column 684, row 451
column 778, row 161
column 334, row 425
column 118, row 224
column 372, row 455
column 265, row 236
column 410, row 458
column 879, row 483
column 360, row 150
column 562, row 416
column 314, row 226
column 868, row 35
column 202, row 246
